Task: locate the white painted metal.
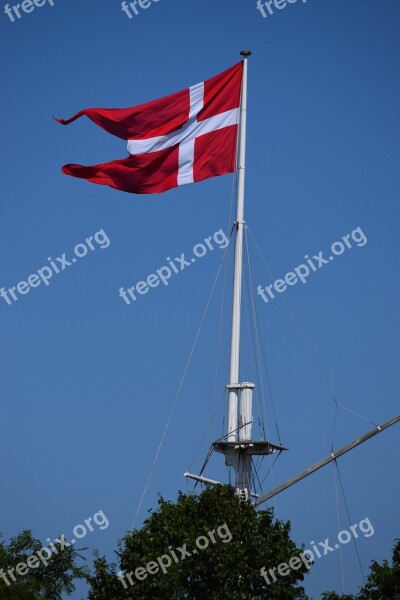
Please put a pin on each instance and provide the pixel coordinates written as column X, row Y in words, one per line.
column 246, row 411
column 202, row 479
column 239, row 417
column 243, row 475
column 237, row 277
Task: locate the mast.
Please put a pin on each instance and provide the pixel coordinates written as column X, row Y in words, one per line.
column 238, row 266
column 239, row 448
column 239, row 393
column 237, row 445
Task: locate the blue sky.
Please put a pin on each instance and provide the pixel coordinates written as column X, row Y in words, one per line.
column 88, row 381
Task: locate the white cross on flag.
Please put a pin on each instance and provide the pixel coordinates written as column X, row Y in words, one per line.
column 182, row 138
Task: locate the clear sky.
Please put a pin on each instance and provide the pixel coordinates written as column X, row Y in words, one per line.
column 87, row 381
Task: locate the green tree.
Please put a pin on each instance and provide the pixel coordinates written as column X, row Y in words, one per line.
column 383, row 581
column 44, row 581
column 229, row 568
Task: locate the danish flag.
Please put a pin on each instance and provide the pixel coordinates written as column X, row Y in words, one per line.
column 179, row 139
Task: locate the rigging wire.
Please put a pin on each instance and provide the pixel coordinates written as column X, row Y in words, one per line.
column 311, row 352
column 179, row 389
column 268, row 380
column 306, row 343
column 339, row 528
column 214, row 406
column 204, row 466
column 253, row 337
column 262, row 344
column 353, row 412
column 225, row 435
column 254, row 477
column 334, row 426
column 270, row 469
column 256, row 351
column 348, row 516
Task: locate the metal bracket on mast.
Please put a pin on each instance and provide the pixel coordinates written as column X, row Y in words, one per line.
column 207, row 481
column 202, row 479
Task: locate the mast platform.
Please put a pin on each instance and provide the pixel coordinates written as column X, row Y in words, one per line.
column 250, row 448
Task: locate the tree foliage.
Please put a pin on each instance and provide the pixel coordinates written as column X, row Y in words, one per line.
column 383, row 582
column 222, row 571
column 240, row 541
column 44, row 582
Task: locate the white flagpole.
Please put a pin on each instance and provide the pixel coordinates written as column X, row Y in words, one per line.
column 238, row 445
column 233, row 385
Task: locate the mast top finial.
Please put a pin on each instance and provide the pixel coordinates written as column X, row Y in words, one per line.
column 246, row 53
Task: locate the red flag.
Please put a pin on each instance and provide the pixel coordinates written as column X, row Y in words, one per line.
column 182, row 138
